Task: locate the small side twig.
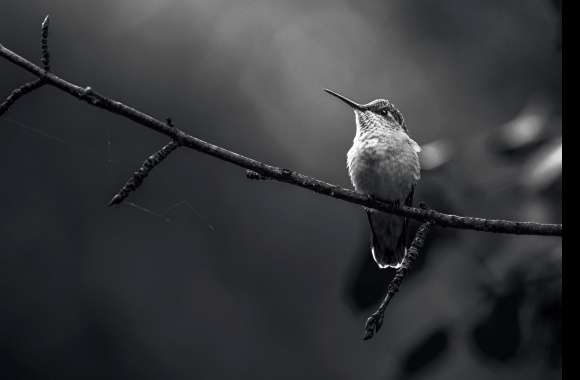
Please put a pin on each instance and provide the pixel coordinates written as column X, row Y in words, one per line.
column 139, row 175
column 45, row 56
column 18, row 93
column 375, row 321
column 35, row 84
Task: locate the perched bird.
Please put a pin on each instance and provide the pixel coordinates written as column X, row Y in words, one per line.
column 384, row 164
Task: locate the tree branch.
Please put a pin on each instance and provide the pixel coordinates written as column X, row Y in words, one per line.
column 181, row 138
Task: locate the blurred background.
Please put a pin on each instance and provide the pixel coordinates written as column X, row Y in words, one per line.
column 205, row 274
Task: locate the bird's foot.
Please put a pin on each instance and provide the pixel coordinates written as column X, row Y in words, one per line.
column 395, row 203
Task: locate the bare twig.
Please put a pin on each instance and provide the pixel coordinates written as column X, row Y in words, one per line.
column 45, row 57
column 137, row 178
column 375, row 321
column 32, row 85
column 18, row 93
column 149, row 164
column 280, row 174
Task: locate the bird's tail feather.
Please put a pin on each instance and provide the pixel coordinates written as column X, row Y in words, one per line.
column 388, row 238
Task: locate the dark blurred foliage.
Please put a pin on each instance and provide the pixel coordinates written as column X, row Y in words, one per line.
column 498, row 334
column 427, row 352
column 204, row 274
column 524, row 317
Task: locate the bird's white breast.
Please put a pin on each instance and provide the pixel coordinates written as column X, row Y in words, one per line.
column 385, row 165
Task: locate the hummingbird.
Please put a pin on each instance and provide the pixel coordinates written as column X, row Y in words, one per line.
column 383, row 163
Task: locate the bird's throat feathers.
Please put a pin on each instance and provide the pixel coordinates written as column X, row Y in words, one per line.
column 370, row 122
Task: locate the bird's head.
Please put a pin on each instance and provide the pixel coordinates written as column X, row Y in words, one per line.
column 379, row 113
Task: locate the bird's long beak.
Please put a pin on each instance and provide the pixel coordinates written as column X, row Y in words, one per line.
column 352, row 104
